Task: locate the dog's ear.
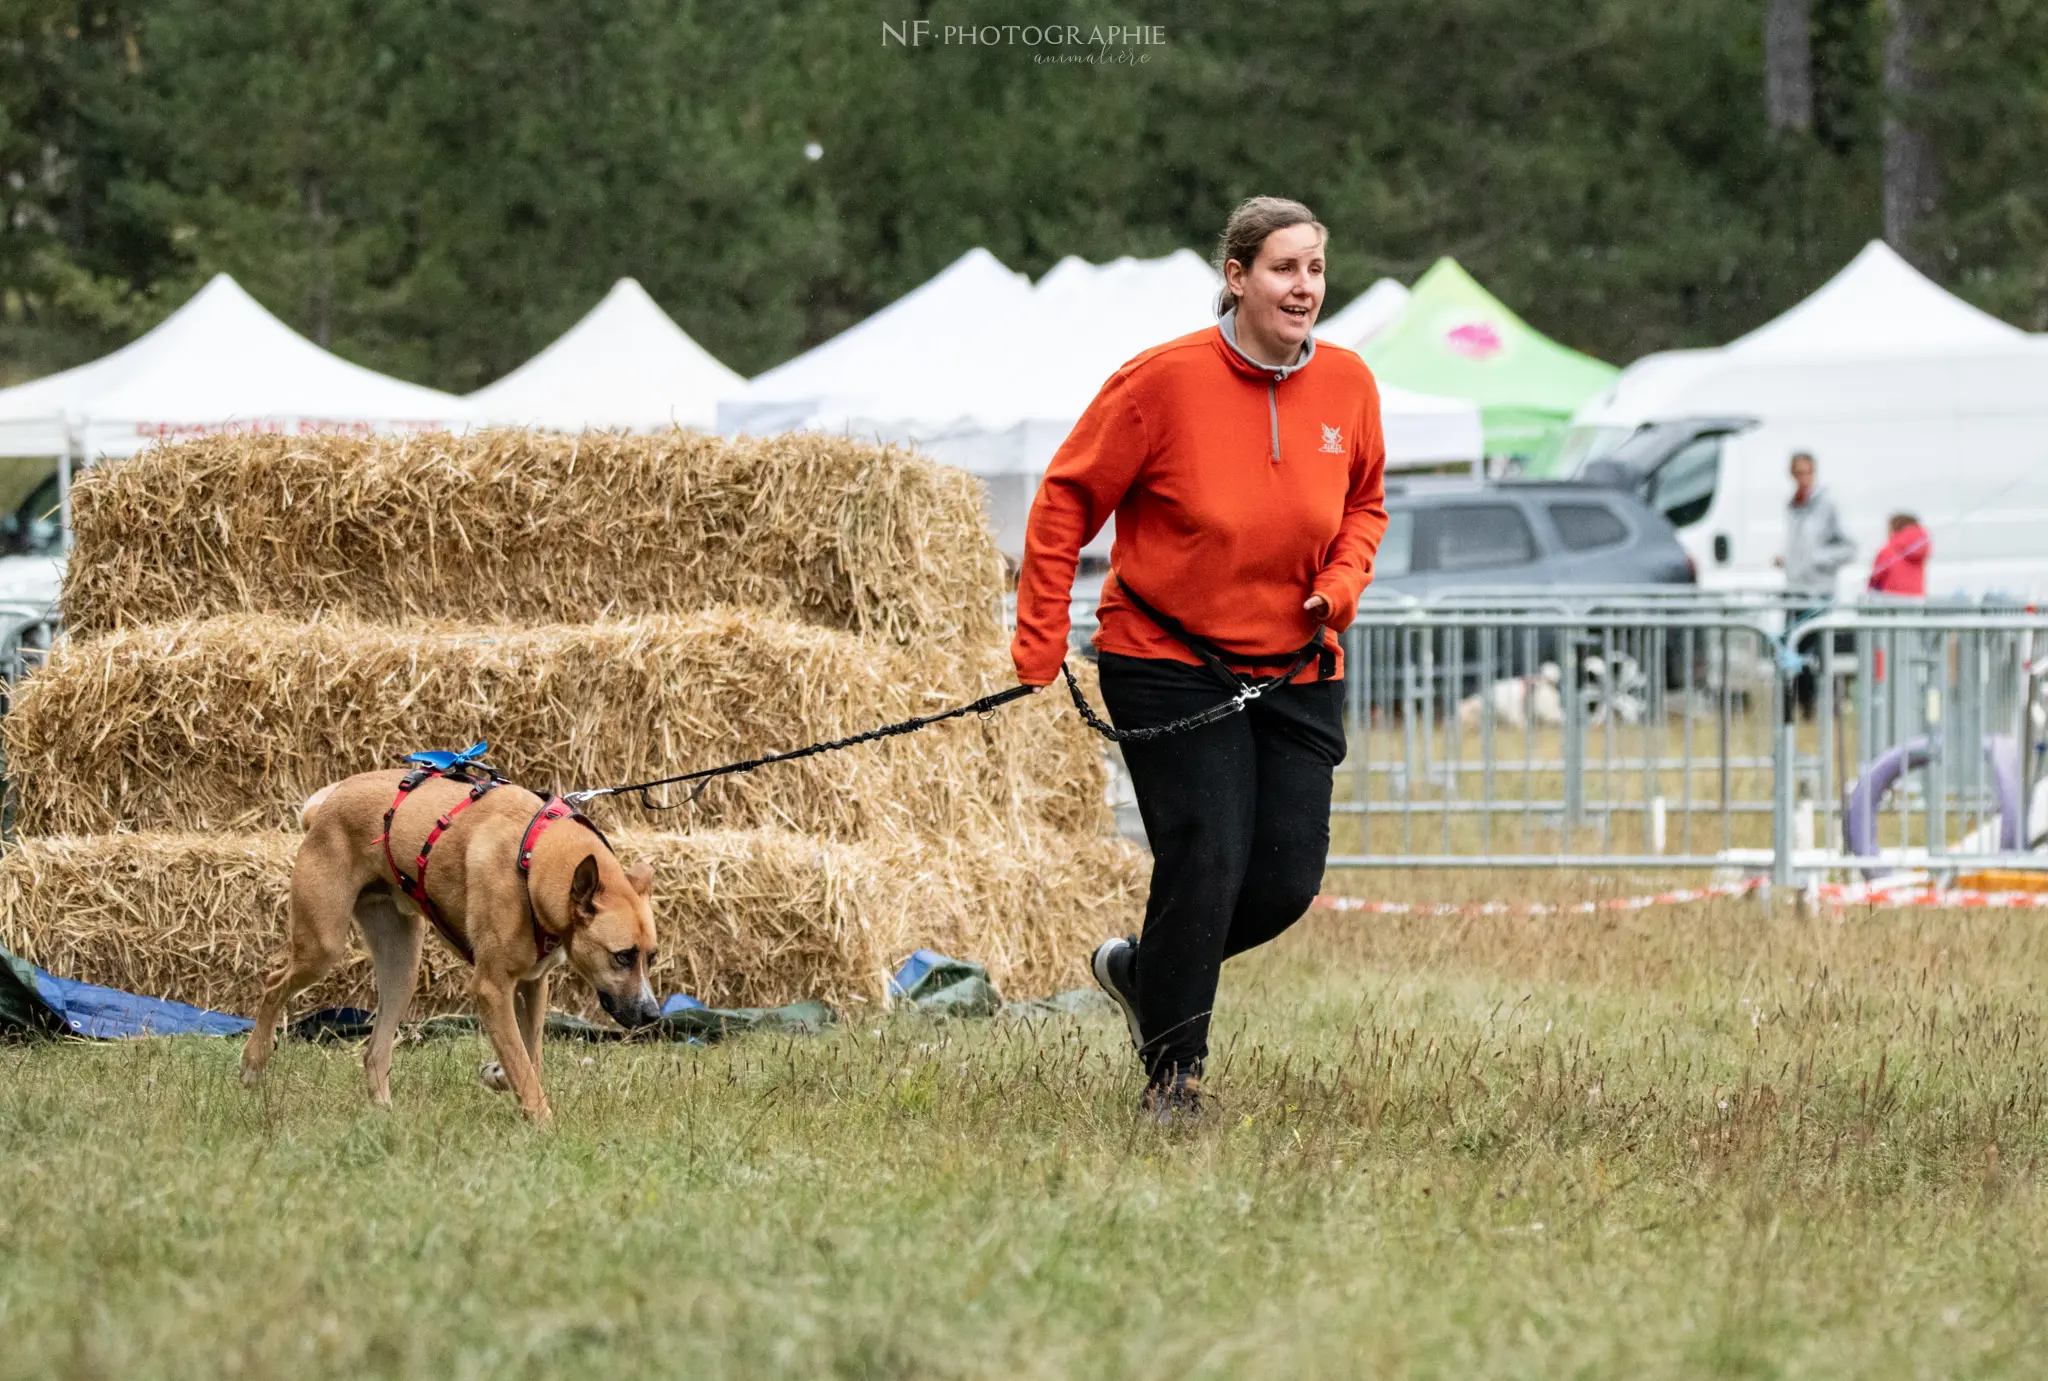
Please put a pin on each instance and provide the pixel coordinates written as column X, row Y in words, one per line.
column 641, row 875
column 583, row 888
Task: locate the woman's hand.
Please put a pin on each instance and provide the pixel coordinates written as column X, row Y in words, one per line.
column 1317, row 607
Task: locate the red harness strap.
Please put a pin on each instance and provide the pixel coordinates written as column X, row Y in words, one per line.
column 552, row 809
column 415, row 888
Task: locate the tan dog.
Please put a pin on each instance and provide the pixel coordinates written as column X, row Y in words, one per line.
column 575, row 901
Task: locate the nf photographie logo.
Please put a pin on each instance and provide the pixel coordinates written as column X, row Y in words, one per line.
column 1048, row 43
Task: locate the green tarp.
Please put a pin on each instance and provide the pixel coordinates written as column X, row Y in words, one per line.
column 1456, row 339
column 22, row 1009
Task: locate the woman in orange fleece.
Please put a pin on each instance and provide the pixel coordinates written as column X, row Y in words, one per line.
column 1243, row 464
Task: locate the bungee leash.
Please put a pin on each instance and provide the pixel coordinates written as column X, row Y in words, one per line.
column 700, row 779
column 1318, row 650
column 703, row 777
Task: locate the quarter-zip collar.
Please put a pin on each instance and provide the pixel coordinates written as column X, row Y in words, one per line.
column 1234, row 352
column 1272, row 375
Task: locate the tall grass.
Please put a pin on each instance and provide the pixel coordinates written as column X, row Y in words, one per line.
column 1711, row 1141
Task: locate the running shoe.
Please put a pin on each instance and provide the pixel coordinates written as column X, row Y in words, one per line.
column 1175, row 1101
column 1111, row 966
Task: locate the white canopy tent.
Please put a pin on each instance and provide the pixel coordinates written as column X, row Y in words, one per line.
column 915, row 338
column 995, row 392
column 1878, row 305
column 1365, row 316
column 624, row 367
column 1909, row 398
column 220, row 363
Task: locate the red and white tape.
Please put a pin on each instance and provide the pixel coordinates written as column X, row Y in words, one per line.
column 1505, row 908
column 1920, row 892
column 1914, row 893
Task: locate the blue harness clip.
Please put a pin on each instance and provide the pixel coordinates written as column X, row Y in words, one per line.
column 441, row 760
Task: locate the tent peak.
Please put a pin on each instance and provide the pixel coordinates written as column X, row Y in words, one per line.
column 625, row 364
column 1877, row 304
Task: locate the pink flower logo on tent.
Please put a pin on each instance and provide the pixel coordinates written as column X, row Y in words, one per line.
column 1475, row 340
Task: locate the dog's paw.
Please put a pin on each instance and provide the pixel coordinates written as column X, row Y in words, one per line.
column 492, row 1076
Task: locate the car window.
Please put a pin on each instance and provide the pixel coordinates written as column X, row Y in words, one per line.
column 1588, row 526
column 1682, row 489
column 1477, row 536
column 1583, row 445
column 1397, row 549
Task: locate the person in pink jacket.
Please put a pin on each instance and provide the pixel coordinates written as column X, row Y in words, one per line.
column 1901, row 568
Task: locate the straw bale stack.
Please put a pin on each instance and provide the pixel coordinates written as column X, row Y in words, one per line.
column 230, row 723
column 523, row 527
column 748, row 918
column 252, row 618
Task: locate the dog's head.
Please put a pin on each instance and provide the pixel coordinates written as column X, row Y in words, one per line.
column 611, row 936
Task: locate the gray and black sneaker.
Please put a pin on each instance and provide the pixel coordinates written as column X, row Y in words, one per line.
column 1174, row 1101
column 1111, row 965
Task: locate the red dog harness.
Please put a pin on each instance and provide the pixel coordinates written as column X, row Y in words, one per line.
column 415, row 888
column 552, row 809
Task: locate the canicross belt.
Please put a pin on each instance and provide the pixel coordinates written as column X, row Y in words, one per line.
column 1318, row 648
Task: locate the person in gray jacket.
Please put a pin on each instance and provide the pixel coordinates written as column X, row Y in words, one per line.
column 1815, row 545
column 1815, row 548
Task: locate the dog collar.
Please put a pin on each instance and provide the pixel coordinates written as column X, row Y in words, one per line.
column 552, row 809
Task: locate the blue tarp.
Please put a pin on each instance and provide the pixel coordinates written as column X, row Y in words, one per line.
column 927, row 981
column 86, row 1009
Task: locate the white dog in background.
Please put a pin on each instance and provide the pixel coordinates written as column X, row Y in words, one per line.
column 1622, row 692
column 1520, row 701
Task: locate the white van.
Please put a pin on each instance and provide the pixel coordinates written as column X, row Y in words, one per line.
column 1909, row 399
column 1960, row 442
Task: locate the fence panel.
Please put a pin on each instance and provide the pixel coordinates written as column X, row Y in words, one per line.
column 1499, row 732
column 1626, row 729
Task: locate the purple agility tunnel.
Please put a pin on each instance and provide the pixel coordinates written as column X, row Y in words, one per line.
column 1866, row 794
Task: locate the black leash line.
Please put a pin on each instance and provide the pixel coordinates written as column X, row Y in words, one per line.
column 703, row 777
column 1247, row 692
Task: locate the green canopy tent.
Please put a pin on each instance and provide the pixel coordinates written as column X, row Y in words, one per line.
column 1456, row 339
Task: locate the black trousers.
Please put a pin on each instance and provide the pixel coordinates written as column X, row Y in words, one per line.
column 1806, row 685
column 1238, row 815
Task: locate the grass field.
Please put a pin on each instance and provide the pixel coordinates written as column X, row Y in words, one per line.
column 1703, row 1142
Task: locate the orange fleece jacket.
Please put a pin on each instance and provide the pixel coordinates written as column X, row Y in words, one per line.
column 1238, row 490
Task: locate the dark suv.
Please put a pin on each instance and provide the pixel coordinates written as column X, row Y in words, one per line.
column 1447, row 535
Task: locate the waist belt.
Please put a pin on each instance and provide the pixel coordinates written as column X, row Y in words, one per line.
column 1318, row 649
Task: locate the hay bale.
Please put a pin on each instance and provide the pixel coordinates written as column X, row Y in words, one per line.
column 230, row 723
column 747, row 918
column 520, row 527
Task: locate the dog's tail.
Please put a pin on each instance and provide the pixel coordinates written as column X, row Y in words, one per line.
column 313, row 803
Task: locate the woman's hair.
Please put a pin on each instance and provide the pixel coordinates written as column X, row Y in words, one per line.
column 1901, row 521
column 1245, row 234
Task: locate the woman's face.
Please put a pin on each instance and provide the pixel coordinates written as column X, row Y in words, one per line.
column 1279, row 296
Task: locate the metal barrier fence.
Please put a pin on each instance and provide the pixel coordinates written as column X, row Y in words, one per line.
column 1693, row 730
column 27, row 632
column 1689, row 728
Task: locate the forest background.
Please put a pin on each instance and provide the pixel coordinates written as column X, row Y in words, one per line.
column 436, row 188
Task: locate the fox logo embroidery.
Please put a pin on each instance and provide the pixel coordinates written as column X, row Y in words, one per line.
column 1333, row 440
